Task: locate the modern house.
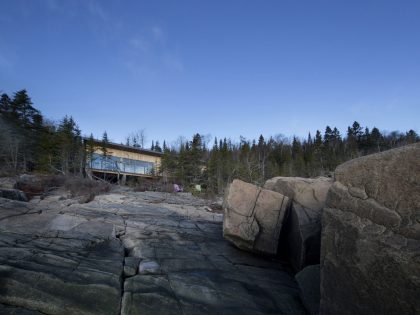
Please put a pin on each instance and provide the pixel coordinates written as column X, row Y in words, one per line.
column 113, row 160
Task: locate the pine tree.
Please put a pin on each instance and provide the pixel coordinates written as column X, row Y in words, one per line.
column 376, row 140
column 411, row 136
column 319, row 151
column 5, row 105
column 22, row 109
column 157, row 147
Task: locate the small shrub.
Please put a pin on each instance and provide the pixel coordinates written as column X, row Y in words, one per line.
column 86, row 188
column 37, row 185
column 41, row 185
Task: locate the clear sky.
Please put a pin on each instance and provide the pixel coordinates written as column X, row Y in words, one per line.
column 225, row 67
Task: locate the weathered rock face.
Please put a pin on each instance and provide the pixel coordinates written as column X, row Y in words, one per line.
column 131, row 253
column 253, row 217
column 301, row 238
column 13, row 194
column 57, row 267
column 371, row 236
column 309, row 192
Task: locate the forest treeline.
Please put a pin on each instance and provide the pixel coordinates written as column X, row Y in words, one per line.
column 29, row 142
column 255, row 161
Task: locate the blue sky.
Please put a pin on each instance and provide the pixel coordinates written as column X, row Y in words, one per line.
column 224, row 68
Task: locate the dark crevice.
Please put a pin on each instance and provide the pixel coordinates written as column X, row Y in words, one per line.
column 126, row 252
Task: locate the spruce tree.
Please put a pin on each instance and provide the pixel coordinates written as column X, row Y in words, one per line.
column 5, row 105
column 157, row 147
column 104, row 150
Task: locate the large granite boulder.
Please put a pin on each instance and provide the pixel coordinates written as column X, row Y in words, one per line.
column 253, row 217
column 371, row 236
column 300, row 240
column 309, row 192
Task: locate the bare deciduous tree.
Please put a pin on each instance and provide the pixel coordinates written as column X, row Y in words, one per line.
column 137, row 138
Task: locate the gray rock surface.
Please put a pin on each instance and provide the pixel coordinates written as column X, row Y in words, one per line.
column 309, row 284
column 371, row 236
column 253, row 217
column 13, row 194
column 149, row 267
column 131, row 264
column 301, row 239
column 311, row 193
column 61, row 257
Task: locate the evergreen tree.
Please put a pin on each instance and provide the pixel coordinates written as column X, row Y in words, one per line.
column 319, row 151
column 411, row 136
column 104, row 150
column 375, row 140
column 157, row 147
column 5, row 105
column 22, row 109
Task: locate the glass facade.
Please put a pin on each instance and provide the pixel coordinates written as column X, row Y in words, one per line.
column 122, row 165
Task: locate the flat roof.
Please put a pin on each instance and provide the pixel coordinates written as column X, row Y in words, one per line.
column 125, row 147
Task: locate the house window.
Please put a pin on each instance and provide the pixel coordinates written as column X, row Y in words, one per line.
column 123, row 165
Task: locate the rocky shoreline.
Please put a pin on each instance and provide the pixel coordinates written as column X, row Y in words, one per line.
column 126, row 253
column 343, row 245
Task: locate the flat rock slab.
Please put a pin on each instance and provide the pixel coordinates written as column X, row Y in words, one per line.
column 149, row 267
column 66, row 222
column 123, row 254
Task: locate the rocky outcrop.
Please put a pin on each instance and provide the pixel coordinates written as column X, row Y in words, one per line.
column 301, row 237
column 54, row 264
column 371, row 236
column 13, row 194
column 131, row 253
column 253, row 217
